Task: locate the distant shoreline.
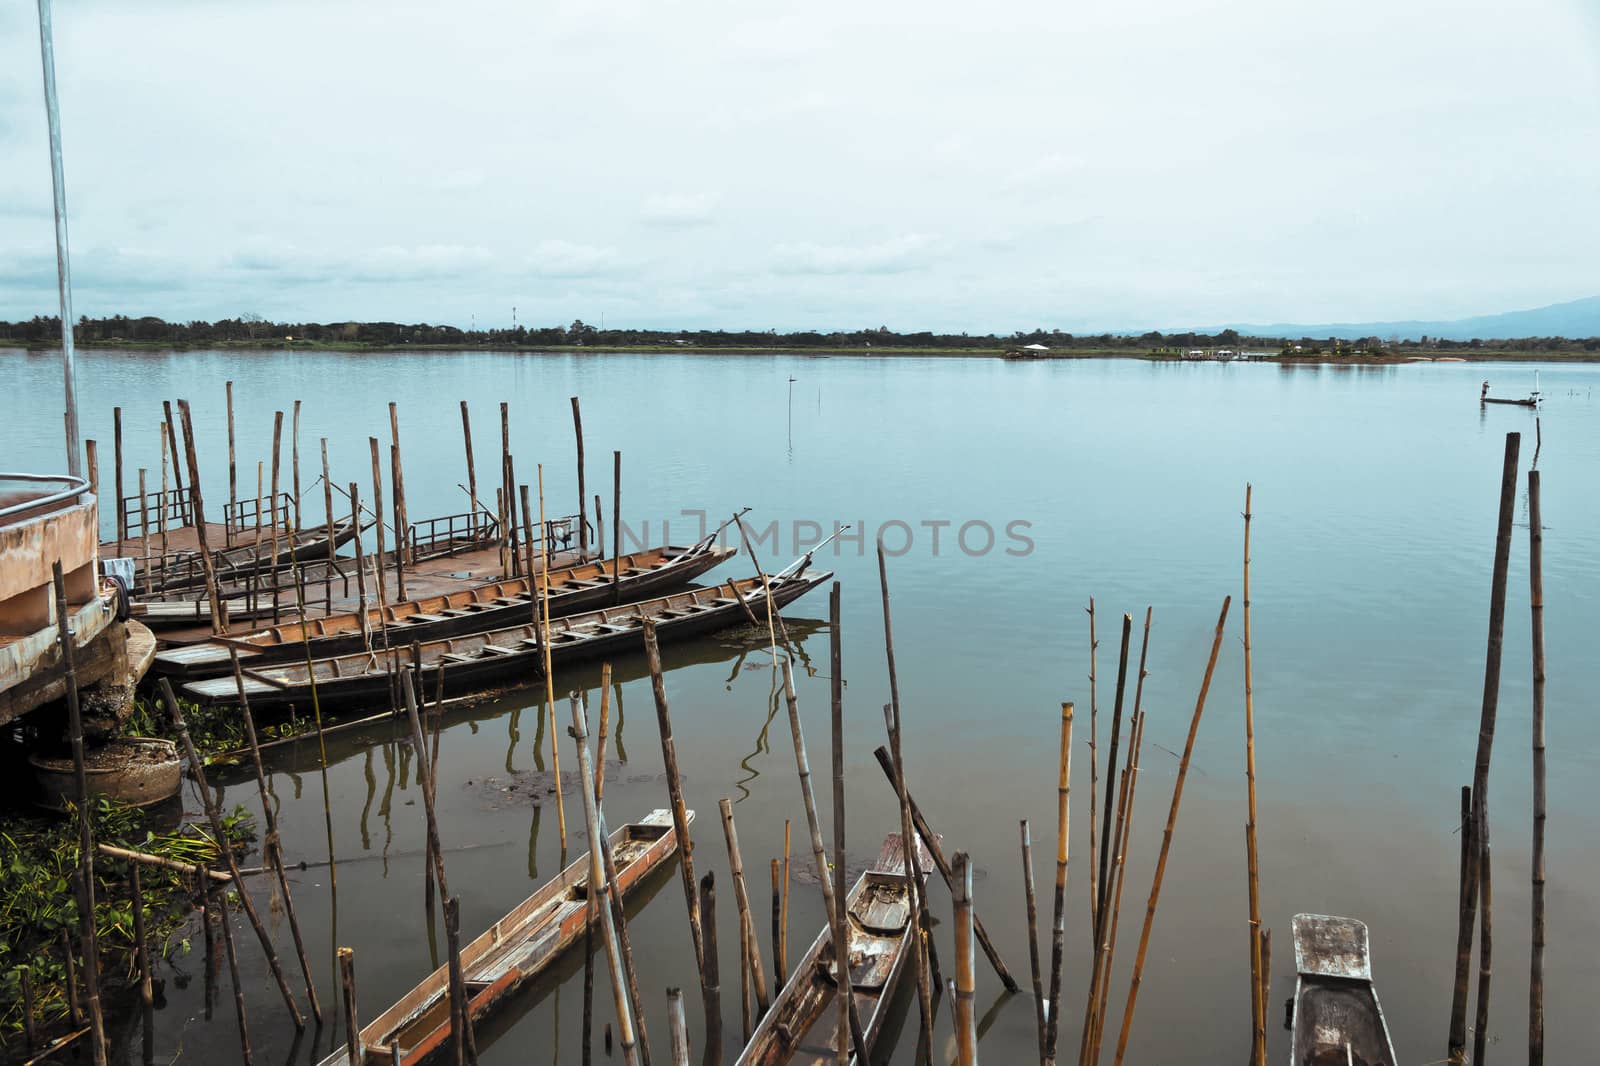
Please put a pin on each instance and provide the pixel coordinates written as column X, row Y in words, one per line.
column 1385, row 359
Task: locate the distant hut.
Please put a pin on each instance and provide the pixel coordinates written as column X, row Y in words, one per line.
column 1028, row 351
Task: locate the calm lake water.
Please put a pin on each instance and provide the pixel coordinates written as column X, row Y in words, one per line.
column 1375, row 501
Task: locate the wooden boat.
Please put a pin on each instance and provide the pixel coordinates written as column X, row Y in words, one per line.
column 802, row 1025
column 478, row 662
column 512, row 951
column 138, row 771
column 1532, row 399
column 239, row 565
column 471, row 610
column 1336, row 1019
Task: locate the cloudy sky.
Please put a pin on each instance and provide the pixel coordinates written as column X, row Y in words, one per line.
column 921, row 165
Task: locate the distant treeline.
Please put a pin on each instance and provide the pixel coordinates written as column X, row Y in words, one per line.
column 252, row 330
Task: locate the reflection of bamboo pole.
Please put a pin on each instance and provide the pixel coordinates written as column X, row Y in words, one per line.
column 1258, row 1021
column 1480, row 772
column 833, row 905
column 549, row 676
column 966, row 1033
column 1033, row 936
column 1536, row 602
column 1058, row 929
column 1166, row 839
column 597, row 882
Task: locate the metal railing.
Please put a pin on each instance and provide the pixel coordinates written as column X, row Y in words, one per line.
column 155, row 514
column 71, row 488
column 247, row 514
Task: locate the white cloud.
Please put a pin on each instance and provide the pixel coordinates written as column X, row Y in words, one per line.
column 677, row 209
column 893, row 256
column 566, row 259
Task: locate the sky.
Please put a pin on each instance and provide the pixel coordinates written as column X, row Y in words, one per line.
column 821, row 165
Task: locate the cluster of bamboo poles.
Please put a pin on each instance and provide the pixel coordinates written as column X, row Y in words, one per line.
column 1475, row 895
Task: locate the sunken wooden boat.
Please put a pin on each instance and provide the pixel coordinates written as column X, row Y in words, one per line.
column 495, row 605
column 242, row 564
column 802, row 1025
column 476, row 663
column 1336, row 1019
column 513, row 951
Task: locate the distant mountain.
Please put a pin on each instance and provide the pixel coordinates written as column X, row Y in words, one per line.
column 1575, row 318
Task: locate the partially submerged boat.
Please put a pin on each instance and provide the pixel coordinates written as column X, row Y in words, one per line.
column 473, row 610
column 1336, row 1019
column 802, row 1025
column 513, row 951
column 474, row 663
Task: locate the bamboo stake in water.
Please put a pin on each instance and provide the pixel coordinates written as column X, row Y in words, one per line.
column 161, row 513
column 273, row 845
column 472, row 473
column 778, row 975
column 1480, row 773
column 583, row 500
column 1033, row 937
column 1106, row 950
column 171, row 426
column 144, row 523
column 1094, row 772
column 549, row 674
column 966, row 1031
column 605, row 721
column 294, row 465
column 116, row 447
column 66, row 641
column 233, row 970
column 831, row 904
column 1166, row 839
column 377, row 511
column 1480, row 1035
column 272, row 500
column 141, row 948
column 1111, row 774
column 219, row 619
column 1536, row 603
column 1058, row 929
column 783, row 921
column 402, row 526
column 680, row 1027
column 327, row 512
column 741, row 898
column 354, row 1053
column 1258, row 1021
column 233, row 468
column 616, row 524
column 711, row 981
column 841, row 943
column 399, row 527
column 597, row 879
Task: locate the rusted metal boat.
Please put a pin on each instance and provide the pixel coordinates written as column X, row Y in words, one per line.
column 139, row 771
column 1335, row 1019
column 802, row 1024
column 512, row 951
column 478, row 662
column 473, row 610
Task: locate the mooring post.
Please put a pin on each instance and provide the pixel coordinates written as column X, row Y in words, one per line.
column 116, row 443
column 583, row 505
column 233, row 473
column 472, row 473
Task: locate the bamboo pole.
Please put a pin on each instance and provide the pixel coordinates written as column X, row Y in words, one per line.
column 25, row 978
column 1166, row 838
column 355, row 1054
column 711, row 982
column 472, row 473
column 833, row 905
column 1102, row 991
column 327, row 513
column 1033, row 937
column 778, row 975
column 741, row 898
column 591, row 918
column 172, row 442
column 273, row 844
column 144, row 523
column 583, row 504
column 841, row 942
column 116, row 446
column 377, row 511
column 619, row 918
column 219, row 620
column 1058, row 928
column 597, row 877
column 966, row 1032
column 1111, row 774
column 272, row 500
column 1094, row 771
column 616, row 524
column 161, row 512
column 549, row 673
column 920, row 943
column 931, row 841
column 402, row 526
column 1258, row 1021
column 146, row 859
column 233, row 470
column 67, row 643
column 294, row 465
column 233, row 971
column 74, row 1009
column 680, row 1027
column 1536, row 604
column 1480, row 1032
column 141, row 948
column 399, row 528
column 361, row 569
column 214, row 816
column 680, row 817
column 745, row 1021
column 91, row 451
column 783, row 921
column 1480, row 774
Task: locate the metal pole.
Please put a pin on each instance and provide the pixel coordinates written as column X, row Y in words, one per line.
column 52, row 109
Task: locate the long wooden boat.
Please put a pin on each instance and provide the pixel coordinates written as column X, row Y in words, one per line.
column 478, row 662
column 472, row 610
column 237, row 566
column 1336, row 1019
column 801, row 1026
column 512, row 951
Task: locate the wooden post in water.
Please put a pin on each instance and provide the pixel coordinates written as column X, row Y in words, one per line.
column 966, row 1028
column 402, row 526
column 583, row 504
column 1536, row 604
column 116, row 445
column 233, row 970
column 741, row 898
column 543, row 597
column 711, row 982
column 841, row 942
column 680, row 1027
column 831, row 903
column 294, row 466
column 1106, row 947
column 507, row 507
column 144, row 524
column 1166, row 839
column 219, row 620
column 67, row 642
column 599, row 530
column 1480, row 774
column 354, row 1053
column 472, row 473
column 377, row 513
column 1094, row 771
column 1058, row 928
column 778, row 975
column 141, row 948
column 233, row 471
column 1111, row 773
column 91, row 451
column 1480, row 1031
column 1033, row 938
column 214, row 816
column 327, row 514
column 616, row 523
column 272, row 500
column 361, row 568
column 399, row 527
column 172, row 442
column 1258, row 1021
column 783, row 931
column 597, row 879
